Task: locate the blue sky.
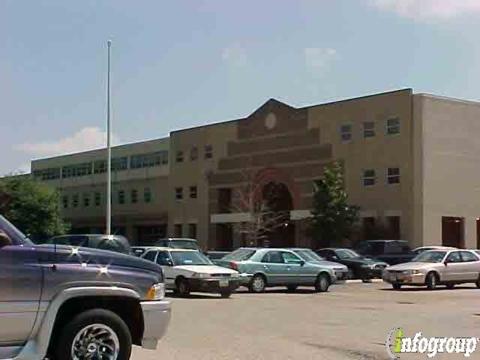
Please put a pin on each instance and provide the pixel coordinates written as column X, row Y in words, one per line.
column 183, row 63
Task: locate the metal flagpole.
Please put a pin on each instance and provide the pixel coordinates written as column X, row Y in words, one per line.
column 109, row 149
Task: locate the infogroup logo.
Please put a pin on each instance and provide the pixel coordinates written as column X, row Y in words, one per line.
column 397, row 343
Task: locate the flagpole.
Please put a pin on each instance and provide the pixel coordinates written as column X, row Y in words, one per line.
column 109, row 149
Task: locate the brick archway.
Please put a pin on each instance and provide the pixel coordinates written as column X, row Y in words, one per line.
column 271, row 174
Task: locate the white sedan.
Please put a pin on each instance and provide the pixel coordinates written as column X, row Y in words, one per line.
column 190, row 271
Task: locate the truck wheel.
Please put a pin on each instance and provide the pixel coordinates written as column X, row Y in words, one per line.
column 95, row 334
column 323, row 283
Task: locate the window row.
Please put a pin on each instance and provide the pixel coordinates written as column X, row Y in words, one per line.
column 207, row 154
column 138, row 161
column 191, row 233
column 392, row 176
column 392, row 127
column 96, row 199
column 192, row 192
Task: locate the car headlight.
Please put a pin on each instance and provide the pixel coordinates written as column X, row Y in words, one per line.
column 200, row 275
column 411, row 272
column 156, row 292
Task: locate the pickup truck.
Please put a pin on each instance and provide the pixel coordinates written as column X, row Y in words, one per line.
column 391, row 251
column 69, row 303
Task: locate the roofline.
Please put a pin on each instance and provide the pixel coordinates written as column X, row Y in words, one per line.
column 448, row 98
column 359, row 98
column 100, row 149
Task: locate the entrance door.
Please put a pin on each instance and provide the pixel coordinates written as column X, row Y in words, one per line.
column 453, row 232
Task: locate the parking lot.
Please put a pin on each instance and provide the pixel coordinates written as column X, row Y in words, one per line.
column 351, row 321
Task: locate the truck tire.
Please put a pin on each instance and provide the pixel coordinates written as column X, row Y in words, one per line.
column 97, row 331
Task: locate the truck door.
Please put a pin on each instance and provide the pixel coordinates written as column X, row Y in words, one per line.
column 20, row 288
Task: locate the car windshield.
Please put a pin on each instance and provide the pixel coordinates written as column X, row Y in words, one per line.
column 189, row 258
column 240, row 255
column 13, row 233
column 430, row 257
column 308, row 255
column 346, row 254
column 180, row 244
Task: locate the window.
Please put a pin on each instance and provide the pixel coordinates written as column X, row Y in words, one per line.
column 47, row 174
column 393, row 175
column 194, row 153
column 454, row 257
column 179, row 193
column 393, row 126
column 273, row 257
column 75, row 198
column 393, row 223
column 121, row 197
column 193, row 192
column 150, row 255
column 86, row 200
column 177, row 230
column 147, row 160
column 76, row 170
column 134, row 196
column 290, row 258
column 467, row 256
column 369, row 177
column 192, row 231
column 179, row 157
column 65, row 201
column 164, row 259
column 368, row 129
column 346, row 132
column 208, row 151
column 147, row 195
column 98, row 199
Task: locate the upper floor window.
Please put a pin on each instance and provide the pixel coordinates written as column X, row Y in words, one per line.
column 121, row 197
column 76, row 170
column 98, row 199
column 147, row 195
column 134, row 196
column 149, row 159
column 193, row 192
column 369, row 177
column 368, row 129
column 47, row 174
column 75, row 200
column 179, row 193
column 346, row 132
column 65, row 201
column 208, row 151
column 194, row 153
column 393, row 126
column 393, row 175
column 86, row 200
column 179, row 156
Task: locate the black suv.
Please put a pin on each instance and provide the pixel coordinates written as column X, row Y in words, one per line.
column 391, row 251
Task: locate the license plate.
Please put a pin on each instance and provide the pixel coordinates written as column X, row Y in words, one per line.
column 223, row 283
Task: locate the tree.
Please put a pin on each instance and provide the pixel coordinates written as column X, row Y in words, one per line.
column 258, row 207
column 333, row 218
column 31, row 206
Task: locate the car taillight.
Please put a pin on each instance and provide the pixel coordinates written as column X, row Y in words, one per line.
column 233, row 265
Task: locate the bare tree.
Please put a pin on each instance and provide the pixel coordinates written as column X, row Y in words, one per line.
column 261, row 219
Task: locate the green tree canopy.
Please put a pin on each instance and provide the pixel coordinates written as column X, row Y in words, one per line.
column 333, row 218
column 31, row 206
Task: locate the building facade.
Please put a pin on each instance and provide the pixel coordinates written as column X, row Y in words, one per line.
column 409, row 163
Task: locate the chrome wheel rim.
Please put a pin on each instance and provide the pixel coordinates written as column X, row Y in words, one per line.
column 95, row 342
column 258, row 284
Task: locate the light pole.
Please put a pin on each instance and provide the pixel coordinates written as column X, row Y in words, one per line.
column 109, row 149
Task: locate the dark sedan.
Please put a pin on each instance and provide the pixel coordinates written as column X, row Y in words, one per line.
column 360, row 267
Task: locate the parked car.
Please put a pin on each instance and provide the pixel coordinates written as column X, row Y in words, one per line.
column 190, row 271
column 360, row 267
column 391, row 251
column 436, row 267
column 341, row 271
column 422, row 249
column 140, row 250
column 178, row 243
column 266, row 267
column 215, row 255
column 64, row 304
column 117, row 243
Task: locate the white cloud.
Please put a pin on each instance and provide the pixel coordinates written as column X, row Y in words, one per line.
column 88, row 138
column 429, row 9
column 235, row 55
column 318, row 59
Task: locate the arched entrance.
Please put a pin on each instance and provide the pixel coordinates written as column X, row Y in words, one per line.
column 277, row 204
